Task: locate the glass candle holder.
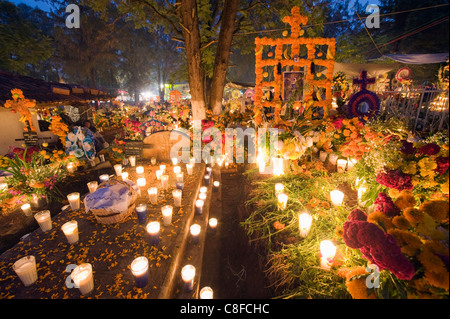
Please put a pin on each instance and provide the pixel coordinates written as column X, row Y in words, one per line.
column 179, row 177
column 26, row 208
column 206, row 293
column 279, row 188
column 165, row 181
column 162, row 168
column 189, row 169
column 195, row 233
column 177, row 193
column 92, row 186
column 216, row 185
column 202, row 196
column 337, row 197
column 167, row 212
column 199, row 206
column 124, row 176
column 153, row 231
column 26, row 270
column 176, row 169
column 206, row 180
column 139, row 269
column 132, row 160
column 83, row 277
column 188, row 275
column 104, row 178
column 304, row 224
column 70, row 229
column 141, row 211
column 174, row 160
column 327, row 253
column 282, row 201
column 141, row 182
column 74, row 200
column 139, row 169
column 153, row 195
column 71, row 168
column 341, row 165
column 153, row 160
column 44, row 220
column 118, row 169
column 158, row 174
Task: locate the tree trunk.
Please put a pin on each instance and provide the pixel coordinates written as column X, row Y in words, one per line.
column 223, row 54
column 191, row 35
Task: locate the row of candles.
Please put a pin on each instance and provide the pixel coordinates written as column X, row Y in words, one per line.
column 327, row 249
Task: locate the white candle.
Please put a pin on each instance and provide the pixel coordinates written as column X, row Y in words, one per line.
column 192, row 161
column 216, row 185
column 153, row 195
column 189, row 169
column 278, row 166
column 351, row 163
column 278, row 188
column 180, row 177
column 341, row 165
column 304, row 224
column 118, row 169
column 92, row 186
column 141, row 182
column 44, row 220
column 124, row 176
column 323, row 156
column 162, row 167
column 209, row 171
column 188, row 275
column 206, row 293
column 133, row 161
column 337, row 197
column 361, row 190
column 153, row 230
column 202, row 196
column 282, row 201
column 158, row 174
column 212, row 223
column 83, row 278
column 104, row 178
column 25, row 268
column 71, row 168
column 195, row 232
column 26, row 208
column 74, row 200
column 139, row 269
column 174, row 160
column 140, row 169
column 327, row 252
column 165, row 181
column 167, row 211
column 199, row 206
column 153, row 160
column 70, row 229
column 3, row 187
column 333, row 159
column 176, row 169
column 177, row 193
column 203, row 189
column 206, row 179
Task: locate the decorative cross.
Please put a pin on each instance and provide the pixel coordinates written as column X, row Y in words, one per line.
column 295, row 20
column 363, row 80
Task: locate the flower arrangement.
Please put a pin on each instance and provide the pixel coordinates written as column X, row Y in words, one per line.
column 132, row 130
column 22, row 105
column 59, row 128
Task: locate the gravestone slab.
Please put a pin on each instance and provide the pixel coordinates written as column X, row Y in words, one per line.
column 160, row 144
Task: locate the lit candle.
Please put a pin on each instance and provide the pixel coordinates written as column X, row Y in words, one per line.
column 92, row 186
column 71, row 168
column 124, row 176
column 83, row 278
column 153, row 231
column 323, row 156
column 199, row 206
column 180, row 176
column 209, row 171
column 202, row 196
column 282, row 201
column 188, row 275
column 351, row 163
column 140, row 169
column 165, row 181
column 118, row 169
column 3, row 187
column 216, row 185
column 361, row 190
column 206, row 180
column 203, row 189
column 189, row 169
column 153, row 160
column 44, row 220
column 167, row 211
column 179, row 185
column 70, row 229
column 141, row 211
column 25, row 269
column 132, row 161
column 333, row 159
column 153, row 195
column 341, row 165
column 327, row 252
column 162, row 167
column 212, row 224
column 192, row 161
column 278, row 188
column 104, row 178
column 174, row 160
column 206, row 293
column 176, row 169
column 158, row 174
column 278, row 166
column 74, row 200
column 139, row 269
column 141, row 182
column 304, row 224
column 195, row 233
column 26, row 208
column 337, row 197
column 177, row 193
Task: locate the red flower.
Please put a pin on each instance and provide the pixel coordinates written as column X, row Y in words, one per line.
column 386, row 205
column 442, row 165
column 395, row 179
column 430, row 149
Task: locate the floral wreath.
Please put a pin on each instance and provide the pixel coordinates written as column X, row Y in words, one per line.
column 80, row 143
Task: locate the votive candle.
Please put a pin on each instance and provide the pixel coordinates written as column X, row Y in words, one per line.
column 140, row 169
column 341, row 165
column 179, row 176
column 82, row 277
column 199, row 206
column 139, row 269
column 124, row 176
column 118, row 169
column 141, row 181
column 71, row 168
column 153, row 230
column 158, row 174
column 202, row 196
column 162, row 167
column 26, row 270
column 141, row 211
column 337, row 197
column 174, row 160
column 206, row 180
column 153, row 160
column 282, row 201
column 189, row 169
column 179, row 185
column 209, row 171
column 327, row 252
column 188, row 275
column 323, row 156
column 70, row 229
column 216, row 185
column 165, row 181
column 176, row 169
column 177, row 193
column 195, row 232
column 44, row 220
column 213, row 224
column 279, row 188
column 304, row 224
column 132, row 160
column 92, row 186
column 104, row 178
column 153, row 195
column 206, row 293
column 74, row 200
column 333, row 159
column 167, row 212
column 26, row 208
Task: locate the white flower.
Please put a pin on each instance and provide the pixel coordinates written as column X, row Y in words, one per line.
column 87, row 146
column 71, row 137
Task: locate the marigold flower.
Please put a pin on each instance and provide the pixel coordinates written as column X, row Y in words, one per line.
column 437, row 209
column 405, row 199
column 413, row 215
column 401, row 222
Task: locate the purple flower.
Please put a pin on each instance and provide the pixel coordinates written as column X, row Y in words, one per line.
column 395, row 179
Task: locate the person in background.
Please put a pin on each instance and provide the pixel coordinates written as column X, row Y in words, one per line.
column 100, row 142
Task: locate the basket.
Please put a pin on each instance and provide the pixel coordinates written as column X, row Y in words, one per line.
column 109, row 216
